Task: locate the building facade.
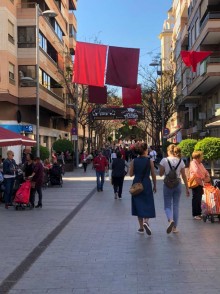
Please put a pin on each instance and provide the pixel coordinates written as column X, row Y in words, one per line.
column 197, row 28
column 21, row 43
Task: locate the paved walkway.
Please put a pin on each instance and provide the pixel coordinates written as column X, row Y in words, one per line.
column 60, row 249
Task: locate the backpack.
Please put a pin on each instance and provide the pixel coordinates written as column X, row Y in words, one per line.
column 171, row 180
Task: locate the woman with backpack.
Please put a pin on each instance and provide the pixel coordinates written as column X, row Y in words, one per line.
column 172, row 167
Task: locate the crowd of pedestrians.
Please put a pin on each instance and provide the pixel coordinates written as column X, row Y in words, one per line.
column 140, row 162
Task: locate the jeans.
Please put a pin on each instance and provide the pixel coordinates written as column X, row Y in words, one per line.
column 39, row 192
column 9, row 184
column 172, row 198
column 100, row 178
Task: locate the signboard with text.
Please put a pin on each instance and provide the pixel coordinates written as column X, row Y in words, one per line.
column 117, row 113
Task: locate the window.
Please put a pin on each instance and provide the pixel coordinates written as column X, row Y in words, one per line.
column 72, row 32
column 197, row 28
column 58, row 31
column 29, row 72
column 11, row 71
column 43, row 42
column 193, row 36
column 44, row 79
column 11, row 32
column 26, row 37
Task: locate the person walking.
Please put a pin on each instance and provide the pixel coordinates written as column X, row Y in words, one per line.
column 118, row 174
column 84, row 160
column 143, row 204
column 37, row 178
column 172, row 194
column 100, row 164
column 9, row 169
column 28, row 171
column 153, row 156
column 201, row 175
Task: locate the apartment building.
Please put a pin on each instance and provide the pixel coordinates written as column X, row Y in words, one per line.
column 30, row 40
column 198, row 92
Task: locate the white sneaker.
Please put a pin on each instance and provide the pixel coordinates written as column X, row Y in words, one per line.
column 147, row 229
column 116, row 195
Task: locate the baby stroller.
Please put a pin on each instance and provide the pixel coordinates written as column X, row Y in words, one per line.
column 56, row 175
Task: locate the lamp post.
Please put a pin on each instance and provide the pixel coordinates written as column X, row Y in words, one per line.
column 47, row 13
column 160, row 73
column 76, row 141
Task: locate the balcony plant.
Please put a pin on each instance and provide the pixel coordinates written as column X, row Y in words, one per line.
column 211, row 150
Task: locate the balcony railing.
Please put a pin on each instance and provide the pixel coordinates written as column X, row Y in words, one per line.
column 206, row 62
column 210, row 15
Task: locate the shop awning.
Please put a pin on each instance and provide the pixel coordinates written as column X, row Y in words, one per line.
column 213, row 124
column 173, row 133
column 9, row 138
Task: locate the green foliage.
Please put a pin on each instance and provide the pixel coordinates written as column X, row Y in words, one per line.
column 210, row 147
column 187, row 147
column 44, row 152
column 63, row 145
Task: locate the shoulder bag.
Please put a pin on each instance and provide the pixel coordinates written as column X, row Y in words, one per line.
column 137, row 188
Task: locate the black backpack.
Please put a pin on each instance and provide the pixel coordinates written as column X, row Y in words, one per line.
column 171, row 180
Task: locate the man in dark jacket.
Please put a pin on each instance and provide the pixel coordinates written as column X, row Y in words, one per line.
column 37, row 181
column 118, row 174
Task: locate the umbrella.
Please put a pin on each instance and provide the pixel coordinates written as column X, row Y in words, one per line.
column 9, row 138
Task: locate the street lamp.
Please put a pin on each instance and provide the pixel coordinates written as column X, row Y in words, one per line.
column 47, row 13
column 160, row 73
column 76, row 141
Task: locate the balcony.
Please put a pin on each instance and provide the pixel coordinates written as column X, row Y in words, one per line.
column 48, row 99
column 209, row 30
column 184, row 8
column 184, row 37
column 72, row 19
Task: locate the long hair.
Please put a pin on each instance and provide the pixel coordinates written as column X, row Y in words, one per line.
column 174, row 150
column 140, row 148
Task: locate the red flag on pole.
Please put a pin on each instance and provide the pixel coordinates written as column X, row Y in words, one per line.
column 122, row 67
column 89, row 64
column 131, row 96
column 192, row 58
column 98, row 95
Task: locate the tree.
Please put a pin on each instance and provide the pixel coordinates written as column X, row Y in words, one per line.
column 187, row 147
column 153, row 90
column 210, row 147
column 44, row 152
column 63, row 145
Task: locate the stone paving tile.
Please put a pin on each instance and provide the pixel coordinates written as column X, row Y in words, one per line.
column 99, row 251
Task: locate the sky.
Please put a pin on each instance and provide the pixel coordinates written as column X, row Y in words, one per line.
column 123, row 23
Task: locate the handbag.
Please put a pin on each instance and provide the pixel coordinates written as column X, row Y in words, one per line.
column 192, row 183
column 138, row 187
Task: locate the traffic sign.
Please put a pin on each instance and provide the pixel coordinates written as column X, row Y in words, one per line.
column 166, row 131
